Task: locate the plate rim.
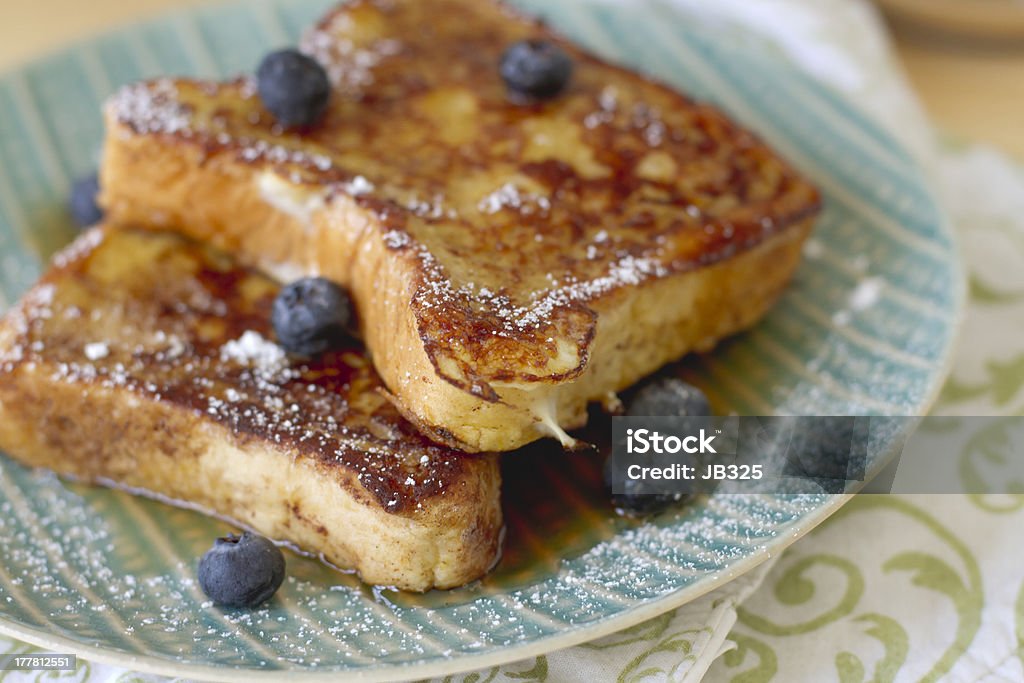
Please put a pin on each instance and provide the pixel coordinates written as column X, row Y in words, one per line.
column 461, row 664
column 539, row 646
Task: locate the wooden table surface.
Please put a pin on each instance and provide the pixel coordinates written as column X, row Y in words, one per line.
column 972, row 93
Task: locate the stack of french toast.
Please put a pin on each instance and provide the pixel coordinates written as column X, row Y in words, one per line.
column 522, row 230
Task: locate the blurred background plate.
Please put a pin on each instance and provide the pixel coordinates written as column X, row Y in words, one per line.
column 867, row 328
column 992, row 19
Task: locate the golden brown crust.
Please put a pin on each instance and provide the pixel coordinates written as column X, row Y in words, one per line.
column 144, row 360
column 482, row 238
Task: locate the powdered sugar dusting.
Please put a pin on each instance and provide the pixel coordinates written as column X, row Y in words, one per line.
column 97, row 351
column 73, row 563
column 358, row 186
column 157, row 107
column 253, row 349
column 866, row 293
column 127, row 343
column 350, row 68
column 430, row 209
column 261, row 150
column 509, row 196
column 81, row 246
column 397, row 239
column 153, row 108
column 627, row 271
column 513, row 317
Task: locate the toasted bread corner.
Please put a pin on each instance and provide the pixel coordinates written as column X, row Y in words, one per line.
column 142, row 361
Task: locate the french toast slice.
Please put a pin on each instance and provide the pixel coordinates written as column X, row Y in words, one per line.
column 141, row 360
column 510, row 262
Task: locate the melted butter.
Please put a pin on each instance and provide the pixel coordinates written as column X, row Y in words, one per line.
column 548, row 139
column 301, row 203
column 544, row 410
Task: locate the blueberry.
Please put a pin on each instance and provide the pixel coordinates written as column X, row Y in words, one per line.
column 830, row 451
column 82, row 203
column 311, row 316
column 536, row 69
column 293, row 87
column 241, row 571
column 633, row 500
column 668, row 397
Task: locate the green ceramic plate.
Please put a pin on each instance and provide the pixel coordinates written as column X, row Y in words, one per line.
column 865, row 329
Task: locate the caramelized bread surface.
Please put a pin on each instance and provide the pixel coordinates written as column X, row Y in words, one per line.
column 145, row 361
column 510, row 261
